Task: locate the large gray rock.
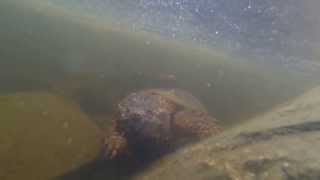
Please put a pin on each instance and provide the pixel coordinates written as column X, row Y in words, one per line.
column 281, row 144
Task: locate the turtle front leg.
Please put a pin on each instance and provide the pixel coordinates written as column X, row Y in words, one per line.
column 193, row 124
column 115, row 144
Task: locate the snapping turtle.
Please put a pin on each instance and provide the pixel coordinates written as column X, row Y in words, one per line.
column 157, row 120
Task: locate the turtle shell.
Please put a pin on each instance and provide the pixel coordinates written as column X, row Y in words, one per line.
column 147, row 115
column 181, row 98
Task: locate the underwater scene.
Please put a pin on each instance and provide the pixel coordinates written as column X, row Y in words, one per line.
column 159, row 90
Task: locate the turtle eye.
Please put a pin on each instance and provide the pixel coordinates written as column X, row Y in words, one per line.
column 123, row 115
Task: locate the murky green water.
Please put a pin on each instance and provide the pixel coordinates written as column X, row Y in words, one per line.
column 92, row 66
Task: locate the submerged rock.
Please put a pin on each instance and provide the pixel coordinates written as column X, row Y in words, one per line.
column 282, row 144
column 43, row 136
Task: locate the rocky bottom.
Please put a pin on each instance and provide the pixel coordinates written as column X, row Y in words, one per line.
column 282, row 144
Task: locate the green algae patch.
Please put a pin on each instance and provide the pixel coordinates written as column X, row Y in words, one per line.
column 43, row 136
